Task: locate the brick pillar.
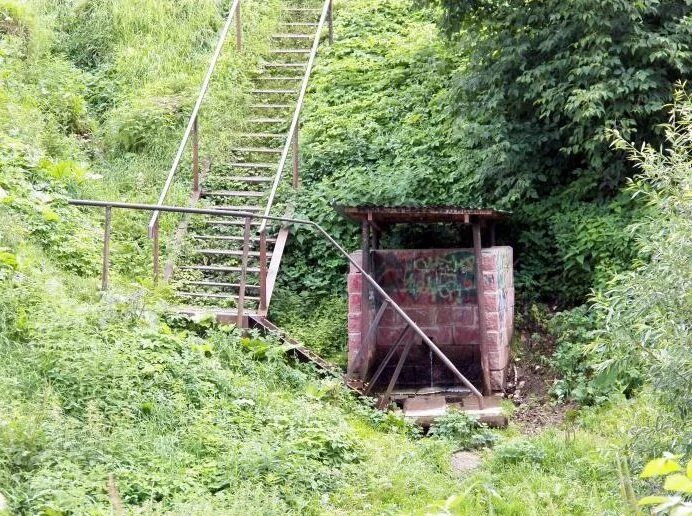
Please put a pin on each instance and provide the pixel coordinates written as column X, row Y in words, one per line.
column 355, row 314
column 498, row 300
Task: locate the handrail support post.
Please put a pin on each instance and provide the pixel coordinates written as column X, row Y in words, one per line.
column 243, row 272
column 330, row 18
column 155, row 251
column 106, row 248
column 238, row 29
column 296, row 159
column 263, row 270
column 195, row 154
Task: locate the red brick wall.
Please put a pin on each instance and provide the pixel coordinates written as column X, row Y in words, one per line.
column 437, row 289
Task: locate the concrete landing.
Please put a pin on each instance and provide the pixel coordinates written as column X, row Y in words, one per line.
column 424, row 408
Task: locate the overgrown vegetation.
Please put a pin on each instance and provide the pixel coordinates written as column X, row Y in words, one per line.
column 186, row 417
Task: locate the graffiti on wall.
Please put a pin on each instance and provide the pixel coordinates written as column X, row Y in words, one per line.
column 426, row 277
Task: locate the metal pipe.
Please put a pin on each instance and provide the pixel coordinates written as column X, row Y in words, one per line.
column 195, row 113
column 230, row 213
column 331, row 21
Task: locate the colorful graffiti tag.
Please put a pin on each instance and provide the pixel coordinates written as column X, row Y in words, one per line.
column 430, row 276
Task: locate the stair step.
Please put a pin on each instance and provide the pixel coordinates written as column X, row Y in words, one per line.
column 269, row 166
column 299, row 24
column 220, row 284
column 217, row 268
column 231, row 222
column 271, row 106
column 283, row 35
column 251, row 179
column 266, row 120
column 290, row 51
column 261, row 135
column 274, row 92
column 280, row 78
column 303, row 10
column 214, row 295
column 231, row 193
column 284, row 65
column 229, row 252
column 238, row 208
column 259, row 150
column 229, row 238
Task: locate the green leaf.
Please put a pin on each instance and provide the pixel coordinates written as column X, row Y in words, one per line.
column 652, row 500
column 689, row 469
column 679, row 483
column 660, row 467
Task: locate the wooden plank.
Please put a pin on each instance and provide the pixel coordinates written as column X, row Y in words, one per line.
column 275, row 263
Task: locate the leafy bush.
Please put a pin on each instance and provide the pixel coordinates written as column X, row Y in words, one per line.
column 577, row 361
column 321, row 324
column 676, row 480
column 646, row 311
column 518, row 451
column 465, row 431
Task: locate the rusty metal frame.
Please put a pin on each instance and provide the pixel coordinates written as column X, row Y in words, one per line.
column 321, row 231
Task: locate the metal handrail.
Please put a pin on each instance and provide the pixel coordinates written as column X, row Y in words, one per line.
column 247, row 215
column 326, row 12
column 192, row 123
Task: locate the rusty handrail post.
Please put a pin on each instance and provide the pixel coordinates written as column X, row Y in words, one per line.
column 243, row 271
column 330, row 19
column 195, row 155
column 238, row 29
column 106, row 248
column 263, row 271
column 296, row 158
column 155, row 249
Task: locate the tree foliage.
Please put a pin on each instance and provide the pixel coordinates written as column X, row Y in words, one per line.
column 547, row 79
